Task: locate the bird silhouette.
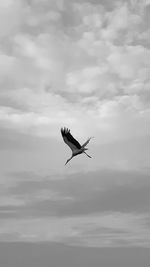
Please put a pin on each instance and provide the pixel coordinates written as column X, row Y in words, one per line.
column 74, row 144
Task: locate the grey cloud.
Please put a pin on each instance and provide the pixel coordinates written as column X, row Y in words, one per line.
column 119, row 199
column 86, row 193
column 9, row 212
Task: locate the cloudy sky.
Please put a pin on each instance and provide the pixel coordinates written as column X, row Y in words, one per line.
column 84, row 65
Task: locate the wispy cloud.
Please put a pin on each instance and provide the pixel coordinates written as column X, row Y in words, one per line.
column 99, row 230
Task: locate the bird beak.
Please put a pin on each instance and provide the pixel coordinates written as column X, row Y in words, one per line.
column 68, row 160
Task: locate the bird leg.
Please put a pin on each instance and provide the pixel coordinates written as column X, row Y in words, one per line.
column 87, row 154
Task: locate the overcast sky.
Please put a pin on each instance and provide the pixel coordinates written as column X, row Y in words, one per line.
column 84, row 65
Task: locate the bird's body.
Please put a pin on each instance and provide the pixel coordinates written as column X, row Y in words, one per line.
column 73, row 144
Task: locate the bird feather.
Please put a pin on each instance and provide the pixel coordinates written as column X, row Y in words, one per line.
column 69, row 139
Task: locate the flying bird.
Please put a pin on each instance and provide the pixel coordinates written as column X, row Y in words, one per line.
column 74, row 144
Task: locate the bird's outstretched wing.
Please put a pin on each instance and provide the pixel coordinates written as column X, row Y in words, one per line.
column 87, row 142
column 69, row 139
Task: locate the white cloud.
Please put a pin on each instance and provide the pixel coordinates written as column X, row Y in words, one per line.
column 129, row 61
column 120, row 20
column 6, row 65
column 85, row 81
column 43, row 113
column 11, row 16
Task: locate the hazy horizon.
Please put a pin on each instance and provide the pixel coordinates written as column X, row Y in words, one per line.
column 53, row 254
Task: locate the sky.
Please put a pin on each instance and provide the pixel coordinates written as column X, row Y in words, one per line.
column 84, row 65
column 31, row 254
